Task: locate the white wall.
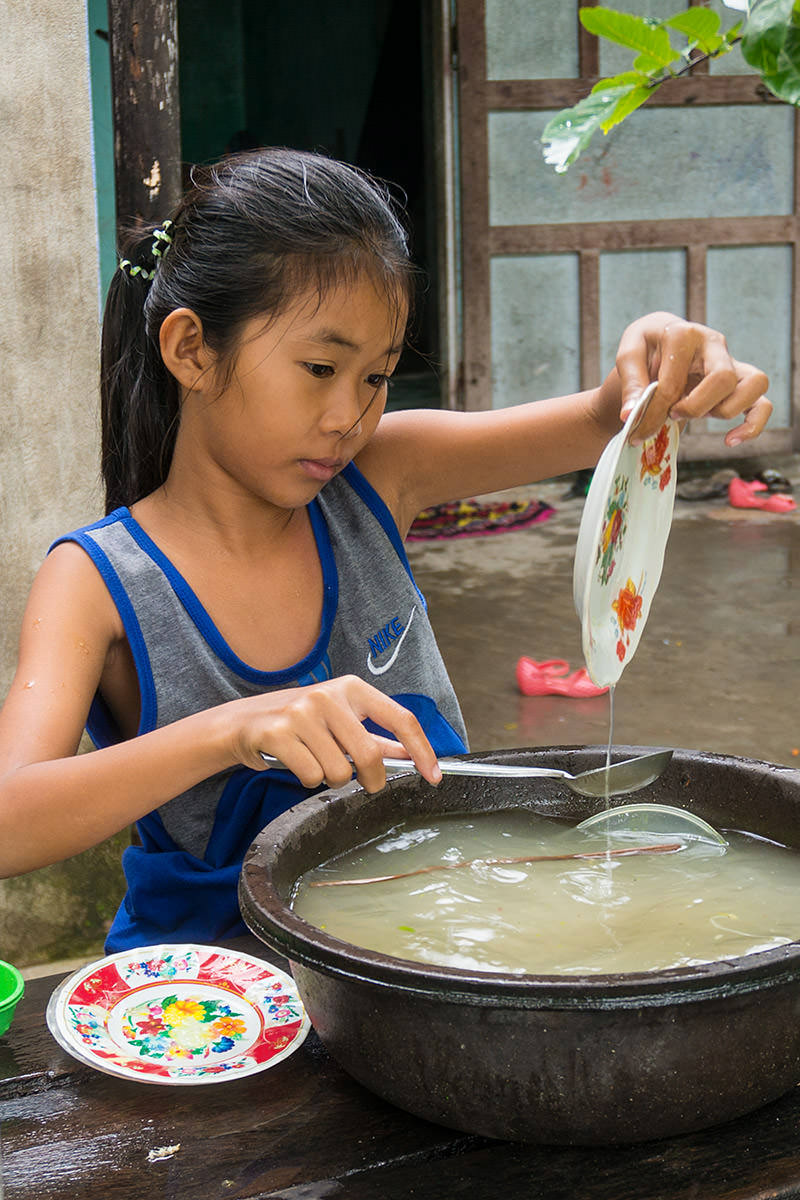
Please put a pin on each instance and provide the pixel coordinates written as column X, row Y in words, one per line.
column 49, row 340
column 48, row 296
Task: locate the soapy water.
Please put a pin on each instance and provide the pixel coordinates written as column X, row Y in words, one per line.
column 636, row 912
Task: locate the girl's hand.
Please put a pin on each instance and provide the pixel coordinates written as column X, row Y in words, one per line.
column 697, row 377
column 314, row 731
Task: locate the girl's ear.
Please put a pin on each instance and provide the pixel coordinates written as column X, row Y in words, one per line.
column 183, row 348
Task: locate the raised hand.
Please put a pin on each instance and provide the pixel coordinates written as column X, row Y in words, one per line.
column 697, row 377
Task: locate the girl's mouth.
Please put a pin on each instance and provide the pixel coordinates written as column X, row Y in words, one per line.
column 321, row 468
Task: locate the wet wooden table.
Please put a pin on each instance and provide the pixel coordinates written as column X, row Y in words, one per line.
column 303, row 1130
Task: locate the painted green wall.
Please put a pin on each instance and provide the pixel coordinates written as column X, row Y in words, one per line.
column 103, row 135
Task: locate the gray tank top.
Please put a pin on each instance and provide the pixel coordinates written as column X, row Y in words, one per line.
column 374, row 625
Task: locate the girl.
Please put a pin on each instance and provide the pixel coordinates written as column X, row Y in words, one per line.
column 248, row 591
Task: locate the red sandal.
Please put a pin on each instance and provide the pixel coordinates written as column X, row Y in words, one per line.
column 551, row 678
column 756, row 494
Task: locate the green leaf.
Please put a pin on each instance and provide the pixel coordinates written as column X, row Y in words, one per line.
column 732, row 35
column 627, row 77
column 771, row 43
column 785, row 85
column 785, row 82
column 701, row 27
column 570, row 131
column 649, row 66
column 626, row 105
column 765, row 32
column 634, row 32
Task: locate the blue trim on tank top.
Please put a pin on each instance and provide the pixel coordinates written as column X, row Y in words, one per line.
column 208, row 629
column 377, row 506
column 101, row 723
column 99, row 713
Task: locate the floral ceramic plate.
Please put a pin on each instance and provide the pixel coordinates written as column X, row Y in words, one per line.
column 178, row 1014
column 621, row 543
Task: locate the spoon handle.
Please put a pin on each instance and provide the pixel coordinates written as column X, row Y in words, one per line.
column 455, row 766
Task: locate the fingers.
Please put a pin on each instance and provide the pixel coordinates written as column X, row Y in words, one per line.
column 747, row 396
column 367, row 749
column 755, row 419
column 318, row 733
column 696, row 372
column 638, row 357
column 697, row 377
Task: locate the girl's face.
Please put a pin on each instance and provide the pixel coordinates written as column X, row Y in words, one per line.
column 305, row 395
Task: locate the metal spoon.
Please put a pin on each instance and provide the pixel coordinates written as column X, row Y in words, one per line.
column 616, row 780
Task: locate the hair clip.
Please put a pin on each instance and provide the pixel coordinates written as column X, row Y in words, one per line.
column 159, row 236
column 162, row 240
column 132, row 269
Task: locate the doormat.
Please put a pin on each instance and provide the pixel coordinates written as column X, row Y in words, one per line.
column 469, row 518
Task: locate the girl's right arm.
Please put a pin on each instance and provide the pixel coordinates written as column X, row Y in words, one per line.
column 55, row 802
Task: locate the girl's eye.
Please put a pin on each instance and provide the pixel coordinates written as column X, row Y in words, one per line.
column 319, row 370
column 378, row 380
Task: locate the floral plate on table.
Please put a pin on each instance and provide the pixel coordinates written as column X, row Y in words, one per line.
column 178, row 1014
column 621, row 543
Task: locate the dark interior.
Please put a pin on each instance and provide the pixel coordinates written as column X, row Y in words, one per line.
column 347, row 80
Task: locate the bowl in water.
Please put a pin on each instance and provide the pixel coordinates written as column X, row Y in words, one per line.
column 12, row 985
column 584, row 1060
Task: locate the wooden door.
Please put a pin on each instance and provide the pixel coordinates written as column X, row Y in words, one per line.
column 691, row 206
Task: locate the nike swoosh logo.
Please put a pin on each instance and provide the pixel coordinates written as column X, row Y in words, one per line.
column 389, row 662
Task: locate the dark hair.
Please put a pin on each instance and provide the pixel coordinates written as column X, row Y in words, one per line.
column 254, row 232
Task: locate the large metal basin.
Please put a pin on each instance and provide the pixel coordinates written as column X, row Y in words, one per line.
column 596, row 1059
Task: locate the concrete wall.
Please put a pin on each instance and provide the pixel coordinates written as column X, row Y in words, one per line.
column 49, row 339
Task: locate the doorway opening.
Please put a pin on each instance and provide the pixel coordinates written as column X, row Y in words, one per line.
column 352, row 80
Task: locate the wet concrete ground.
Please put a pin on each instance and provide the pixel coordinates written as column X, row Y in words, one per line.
column 717, row 666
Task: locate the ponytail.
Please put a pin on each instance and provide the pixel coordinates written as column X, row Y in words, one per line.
column 140, row 399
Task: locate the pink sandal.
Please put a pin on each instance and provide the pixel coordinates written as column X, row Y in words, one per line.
column 536, row 678
column 551, row 678
column 756, row 494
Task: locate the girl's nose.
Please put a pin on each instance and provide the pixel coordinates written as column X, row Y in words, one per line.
column 345, row 409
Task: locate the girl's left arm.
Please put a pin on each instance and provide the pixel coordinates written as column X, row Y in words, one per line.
column 420, row 458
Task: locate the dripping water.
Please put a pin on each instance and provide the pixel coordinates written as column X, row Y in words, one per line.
column 610, row 733
column 609, row 865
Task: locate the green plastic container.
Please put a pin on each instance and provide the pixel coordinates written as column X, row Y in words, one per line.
column 12, row 985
